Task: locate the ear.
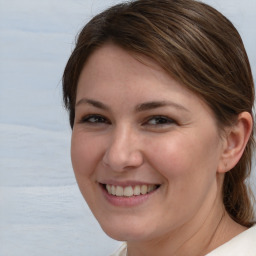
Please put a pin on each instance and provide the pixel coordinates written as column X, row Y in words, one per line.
column 235, row 142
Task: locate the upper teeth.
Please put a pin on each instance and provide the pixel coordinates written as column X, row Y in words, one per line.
column 129, row 190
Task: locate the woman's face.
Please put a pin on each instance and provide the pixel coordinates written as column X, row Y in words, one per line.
column 145, row 150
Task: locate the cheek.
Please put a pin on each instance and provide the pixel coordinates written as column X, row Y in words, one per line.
column 184, row 156
column 189, row 169
column 85, row 152
column 169, row 156
column 84, row 157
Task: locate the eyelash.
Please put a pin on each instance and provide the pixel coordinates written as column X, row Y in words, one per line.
column 102, row 119
column 159, row 120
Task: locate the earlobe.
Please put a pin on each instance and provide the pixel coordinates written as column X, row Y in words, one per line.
column 235, row 142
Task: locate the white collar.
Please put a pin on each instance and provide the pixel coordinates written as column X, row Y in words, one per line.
column 243, row 244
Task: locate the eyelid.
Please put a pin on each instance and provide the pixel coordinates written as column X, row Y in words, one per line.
column 169, row 121
column 85, row 119
column 163, row 121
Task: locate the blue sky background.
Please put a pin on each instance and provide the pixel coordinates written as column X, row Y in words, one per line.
column 41, row 209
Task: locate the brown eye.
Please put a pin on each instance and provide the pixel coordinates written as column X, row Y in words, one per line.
column 95, row 119
column 160, row 120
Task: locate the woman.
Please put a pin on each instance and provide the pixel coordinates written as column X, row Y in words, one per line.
column 160, row 96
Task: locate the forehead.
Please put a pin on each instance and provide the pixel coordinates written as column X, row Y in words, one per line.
column 111, row 62
column 109, row 54
column 114, row 73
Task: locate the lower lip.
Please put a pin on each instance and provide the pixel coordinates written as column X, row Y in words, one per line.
column 124, row 201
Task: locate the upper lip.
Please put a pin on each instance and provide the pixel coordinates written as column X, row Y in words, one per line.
column 127, row 183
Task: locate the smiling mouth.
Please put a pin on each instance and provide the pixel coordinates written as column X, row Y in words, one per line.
column 129, row 191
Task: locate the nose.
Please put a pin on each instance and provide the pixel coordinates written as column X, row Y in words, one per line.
column 123, row 151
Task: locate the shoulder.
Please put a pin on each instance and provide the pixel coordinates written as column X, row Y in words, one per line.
column 241, row 245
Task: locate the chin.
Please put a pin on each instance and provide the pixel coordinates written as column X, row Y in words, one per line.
column 126, row 231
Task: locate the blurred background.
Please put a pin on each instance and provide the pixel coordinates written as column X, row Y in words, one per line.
column 41, row 209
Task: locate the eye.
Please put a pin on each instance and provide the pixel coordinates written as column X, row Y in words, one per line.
column 95, row 119
column 159, row 121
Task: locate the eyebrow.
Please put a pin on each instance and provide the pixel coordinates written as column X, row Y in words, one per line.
column 139, row 108
column 158, row 104
column 94, row 103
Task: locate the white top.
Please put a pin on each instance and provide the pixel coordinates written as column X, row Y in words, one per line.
column 121, row 251
column 243, row 244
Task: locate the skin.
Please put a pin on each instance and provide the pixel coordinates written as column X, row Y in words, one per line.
column 124, row 141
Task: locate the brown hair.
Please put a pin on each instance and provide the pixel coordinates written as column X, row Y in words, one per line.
column 196, row 45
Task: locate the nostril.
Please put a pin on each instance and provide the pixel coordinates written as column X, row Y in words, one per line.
column 122, row 160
